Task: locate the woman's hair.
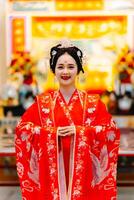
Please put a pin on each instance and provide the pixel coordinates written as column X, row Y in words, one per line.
column 58, row 51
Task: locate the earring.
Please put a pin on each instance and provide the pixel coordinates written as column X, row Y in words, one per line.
column 77, row 81
column 55, row 83
column 81, row 81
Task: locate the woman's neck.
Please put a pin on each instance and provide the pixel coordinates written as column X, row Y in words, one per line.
column 67, row 91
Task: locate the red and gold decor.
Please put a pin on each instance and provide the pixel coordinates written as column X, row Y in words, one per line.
column 79, row 5
column 28, row 0
column 92, row 33
column 38, row 31
column 80, row 27
column 18, row 34
column 22, row 64
column 125, row 64
column 23, row 71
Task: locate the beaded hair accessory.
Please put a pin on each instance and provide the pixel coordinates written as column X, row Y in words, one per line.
column 65, row 43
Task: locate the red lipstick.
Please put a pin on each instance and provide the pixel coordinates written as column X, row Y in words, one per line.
column 65, row 77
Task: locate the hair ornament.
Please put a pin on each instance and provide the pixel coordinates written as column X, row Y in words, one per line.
column 54, row 53
column 79, row 53
column 65, row 43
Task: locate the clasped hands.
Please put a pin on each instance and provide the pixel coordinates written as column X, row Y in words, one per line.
column 66, row 130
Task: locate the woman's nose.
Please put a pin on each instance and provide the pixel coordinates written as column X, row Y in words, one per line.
column 66, row 70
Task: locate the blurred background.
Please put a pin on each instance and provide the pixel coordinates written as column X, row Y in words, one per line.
column 104, row 30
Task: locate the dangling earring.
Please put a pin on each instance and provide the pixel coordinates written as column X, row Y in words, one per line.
column 55, row 83
column 77, row 81
column 81, row 81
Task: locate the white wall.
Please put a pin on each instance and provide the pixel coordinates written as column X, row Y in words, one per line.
column 130, row 31
column 3, row 67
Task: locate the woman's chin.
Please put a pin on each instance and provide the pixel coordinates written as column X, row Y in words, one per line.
column 66, row 83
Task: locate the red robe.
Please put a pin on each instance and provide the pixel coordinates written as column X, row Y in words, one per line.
column 78, row 167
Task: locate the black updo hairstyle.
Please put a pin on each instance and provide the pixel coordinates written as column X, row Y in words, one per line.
column 58, row 51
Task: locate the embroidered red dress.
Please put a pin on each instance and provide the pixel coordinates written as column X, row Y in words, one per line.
column 77, row 167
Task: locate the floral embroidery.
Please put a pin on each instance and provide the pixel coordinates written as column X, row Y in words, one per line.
column 25, row 126
column 48, row 122
column 79, row 165
column 24, row 136
column 50, row 143
column 36, row 129
column 55, row 194
column 28, row 146
column 46, row 110
column 20, row 169
column 111, row 135
column 88, row 121
column 98, row 129
column 26, row 185
column 91, row 110
column 112, row 123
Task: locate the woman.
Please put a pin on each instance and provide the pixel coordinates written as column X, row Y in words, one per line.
column 66, row 142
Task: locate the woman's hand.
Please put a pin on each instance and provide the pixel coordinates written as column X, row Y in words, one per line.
column 66, row 130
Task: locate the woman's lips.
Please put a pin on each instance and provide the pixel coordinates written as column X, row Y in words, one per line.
column 65, row 77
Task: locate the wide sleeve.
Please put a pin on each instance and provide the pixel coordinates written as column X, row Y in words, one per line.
column 104, row 154
column 29, row 137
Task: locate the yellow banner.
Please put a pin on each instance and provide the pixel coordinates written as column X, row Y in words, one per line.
column 79, row 5
column 77, row 27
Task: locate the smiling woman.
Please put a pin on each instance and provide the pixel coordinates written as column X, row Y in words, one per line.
column 66, row 142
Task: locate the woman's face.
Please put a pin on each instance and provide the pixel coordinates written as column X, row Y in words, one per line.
column 66, row 70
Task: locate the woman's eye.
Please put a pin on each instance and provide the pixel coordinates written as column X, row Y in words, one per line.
column 71, row 67
column 60, row 67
